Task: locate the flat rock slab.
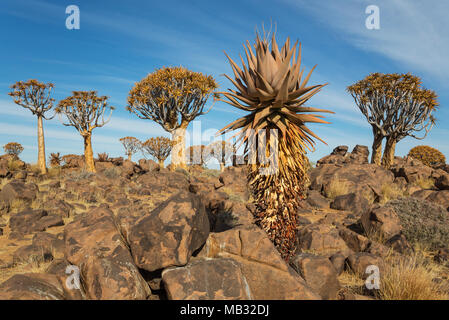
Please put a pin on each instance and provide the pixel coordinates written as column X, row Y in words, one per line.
column 207, row 279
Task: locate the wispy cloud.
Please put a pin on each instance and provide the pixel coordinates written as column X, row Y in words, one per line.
column 412, row 33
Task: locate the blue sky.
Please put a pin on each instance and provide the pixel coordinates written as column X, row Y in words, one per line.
column 120, row 42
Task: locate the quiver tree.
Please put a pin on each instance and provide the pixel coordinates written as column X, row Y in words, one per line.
column 159, row 148
column 13, row 148
column 131, row 145
column 222, row 151
column 172, row 97
column 85, row 111
column 396, row 106
column 35, row 96
column 272, row 89
column 197, row 155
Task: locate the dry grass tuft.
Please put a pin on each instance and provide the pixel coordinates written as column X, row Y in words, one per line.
column 337, row 188
column 390, row 192
column 410, row 278
column 426, row 184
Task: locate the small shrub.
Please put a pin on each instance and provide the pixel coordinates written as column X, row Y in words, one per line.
column 55, row 159
column 79, row 175
column 103, row 157
column 423, row 223
column 427, row 155
column 112, row 173
column 14, row 165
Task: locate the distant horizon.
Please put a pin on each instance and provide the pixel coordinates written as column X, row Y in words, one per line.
column 119, row 44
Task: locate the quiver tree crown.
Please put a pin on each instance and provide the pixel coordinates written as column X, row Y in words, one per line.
column 173, row 97
column 13, row 148
column 273, row 89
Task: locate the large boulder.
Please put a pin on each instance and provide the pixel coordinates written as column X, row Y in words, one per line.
column 207, row 279
column 353, row 202
column 168, row 235
column 381, row 220
column 323, row 239
column 266, row 273
column 32, row 286
column 162, row 180
column 29, row 221
column 94, row 244
column 319, row 274
column 440, row 197
column 364, row 179
column 18, row 190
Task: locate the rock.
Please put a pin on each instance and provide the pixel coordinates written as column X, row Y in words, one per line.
column 358, row 262
column 27, row 221
column 234, row 178
column 148, row 165
column 161, row 180
column 413, row 172
column 204, row 279
column 422, row 194
column 353, row 202
column 48, row 242
column 323, row 239
column 381, row 220
column 363, row 179
column 20, row 175
column 440, row 197
column 32, row 254
column 442, row 255
column 94, row 244
column 266, row 273
column 316, row 200
column 18, row 190
column 58, row 267
column 32, row 286
column 59, row 207
column 319, row 274
column 338, row 261
column 170, row 234
column 399, row 244
column 356, row 242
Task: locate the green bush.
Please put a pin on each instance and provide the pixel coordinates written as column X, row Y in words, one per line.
column 424, row 223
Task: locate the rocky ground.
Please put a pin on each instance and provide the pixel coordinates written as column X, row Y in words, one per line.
column 137, row 231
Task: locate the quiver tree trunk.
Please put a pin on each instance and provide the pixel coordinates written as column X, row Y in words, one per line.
column 178, row 154
column 222, row 166
column 88, row 153
column 129, row 156
column 388, row 158
column 161, row 163
column 41, row 146
column 376, row 154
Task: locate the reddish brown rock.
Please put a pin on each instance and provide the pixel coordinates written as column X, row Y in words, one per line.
column 94, row 244
column 324, row 239
column 207, row 279
column 169, row 235
column 319, row 274
column 440, row 197
column 381, row 220
column 267, row 274
column 32, row 286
